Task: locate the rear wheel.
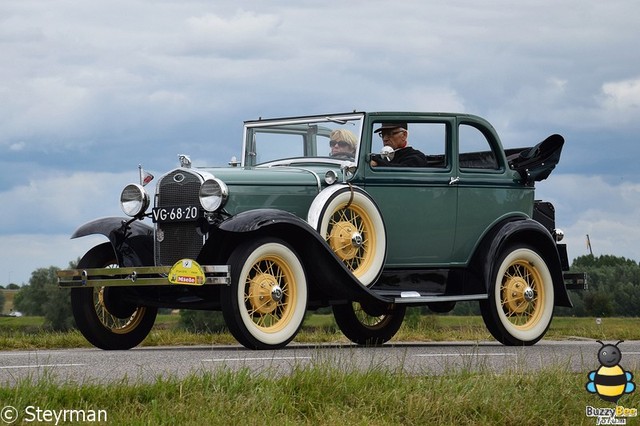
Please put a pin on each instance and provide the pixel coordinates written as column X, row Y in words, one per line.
column 368, row 328
column 102, row 317
column 265, row 304
column 521, row 297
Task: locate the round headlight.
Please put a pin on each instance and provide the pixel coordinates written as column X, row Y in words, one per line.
column 213, row 194
column 134, row 200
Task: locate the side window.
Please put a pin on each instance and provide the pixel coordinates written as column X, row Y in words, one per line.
column 474, row 149
column 429, row 138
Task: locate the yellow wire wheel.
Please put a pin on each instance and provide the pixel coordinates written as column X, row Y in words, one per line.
column 102, row 314
column 522, row 292
column 270, row 293
column 371, row 321
column 351, row 235
column 353, row 227
column 265, row 304
column 522, row 297
column 371, row 328
column 113, row 323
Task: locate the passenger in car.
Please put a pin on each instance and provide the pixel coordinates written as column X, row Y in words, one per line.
column 343, row 144
column 394, row 135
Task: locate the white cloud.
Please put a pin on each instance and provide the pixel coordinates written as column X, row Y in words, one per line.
column 21, row 254
column 17, row 146
column 245, row 34
column 621, row 100
column 105, row 86
column 51, row 201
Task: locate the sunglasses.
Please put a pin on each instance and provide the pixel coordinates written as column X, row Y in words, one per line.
column 341, row 144
column 384, row 133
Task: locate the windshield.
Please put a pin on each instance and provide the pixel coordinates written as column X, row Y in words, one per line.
column 300, row 140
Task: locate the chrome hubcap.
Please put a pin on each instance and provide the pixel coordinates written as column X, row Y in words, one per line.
column 356, row 240
column 276, row 293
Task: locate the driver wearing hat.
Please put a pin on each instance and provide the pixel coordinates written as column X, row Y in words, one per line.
column 394, row 135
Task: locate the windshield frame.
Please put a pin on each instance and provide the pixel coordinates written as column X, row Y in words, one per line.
column 295, row 125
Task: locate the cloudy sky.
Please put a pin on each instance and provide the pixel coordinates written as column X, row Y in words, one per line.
column 89, row 90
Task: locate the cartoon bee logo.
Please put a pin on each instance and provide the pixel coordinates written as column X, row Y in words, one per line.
column 610, row 381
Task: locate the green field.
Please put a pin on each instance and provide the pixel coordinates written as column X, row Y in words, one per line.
column 27, row 332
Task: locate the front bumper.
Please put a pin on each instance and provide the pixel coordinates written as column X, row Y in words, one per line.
column 136, row 276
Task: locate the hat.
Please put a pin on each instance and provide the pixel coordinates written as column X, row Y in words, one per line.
column 385, row 126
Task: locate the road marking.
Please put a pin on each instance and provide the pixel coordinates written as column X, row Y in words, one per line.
column 467, row 354
column 8, row 367
column 271, row 358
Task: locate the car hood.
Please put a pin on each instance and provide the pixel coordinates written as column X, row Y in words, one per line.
column 279, row 187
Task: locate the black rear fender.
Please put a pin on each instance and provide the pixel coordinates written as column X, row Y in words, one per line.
column 535, row 235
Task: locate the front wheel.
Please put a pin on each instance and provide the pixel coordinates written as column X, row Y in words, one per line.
column 265, row 303
column 521, row 297
column 368, row 328
column 102, row 317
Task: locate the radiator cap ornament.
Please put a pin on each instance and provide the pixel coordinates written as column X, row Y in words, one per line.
column 185, row 161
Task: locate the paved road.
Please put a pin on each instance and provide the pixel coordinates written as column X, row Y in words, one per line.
column 146, row 364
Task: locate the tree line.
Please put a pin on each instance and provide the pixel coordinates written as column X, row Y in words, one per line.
column 613, row 290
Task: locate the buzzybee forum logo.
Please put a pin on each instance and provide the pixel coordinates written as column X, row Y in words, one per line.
column 610, row 382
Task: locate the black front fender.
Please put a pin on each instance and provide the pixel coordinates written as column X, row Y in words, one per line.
column 133, row 243
column 328, row 277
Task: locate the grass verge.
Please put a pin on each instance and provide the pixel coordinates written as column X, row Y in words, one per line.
column 323, row 395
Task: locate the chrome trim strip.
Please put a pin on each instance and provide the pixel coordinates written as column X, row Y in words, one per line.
column 135, row 276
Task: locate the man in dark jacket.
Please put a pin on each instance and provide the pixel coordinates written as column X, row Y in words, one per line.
column 394, row 135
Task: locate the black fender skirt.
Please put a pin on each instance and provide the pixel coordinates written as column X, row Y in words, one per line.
column 133, row 248
column 325, row 273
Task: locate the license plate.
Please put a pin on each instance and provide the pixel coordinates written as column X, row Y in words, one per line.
column 175, row 214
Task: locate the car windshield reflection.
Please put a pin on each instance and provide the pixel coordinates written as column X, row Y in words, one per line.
column 303, row 140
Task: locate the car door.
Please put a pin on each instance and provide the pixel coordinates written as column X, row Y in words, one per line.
column 488, row 190
column 418, row 204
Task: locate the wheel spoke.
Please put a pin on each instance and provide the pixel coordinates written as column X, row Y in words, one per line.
column 265, row 276
column 521, row 309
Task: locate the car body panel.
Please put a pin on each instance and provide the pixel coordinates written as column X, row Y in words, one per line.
column 440, row 220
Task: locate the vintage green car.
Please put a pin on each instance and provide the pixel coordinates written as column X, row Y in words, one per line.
column 317, row 213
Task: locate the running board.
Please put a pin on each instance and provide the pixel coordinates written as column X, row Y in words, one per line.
column 415, row 297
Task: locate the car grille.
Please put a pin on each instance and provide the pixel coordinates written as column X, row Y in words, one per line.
column 179, row 240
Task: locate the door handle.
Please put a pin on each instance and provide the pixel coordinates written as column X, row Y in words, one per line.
column 454, row 180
